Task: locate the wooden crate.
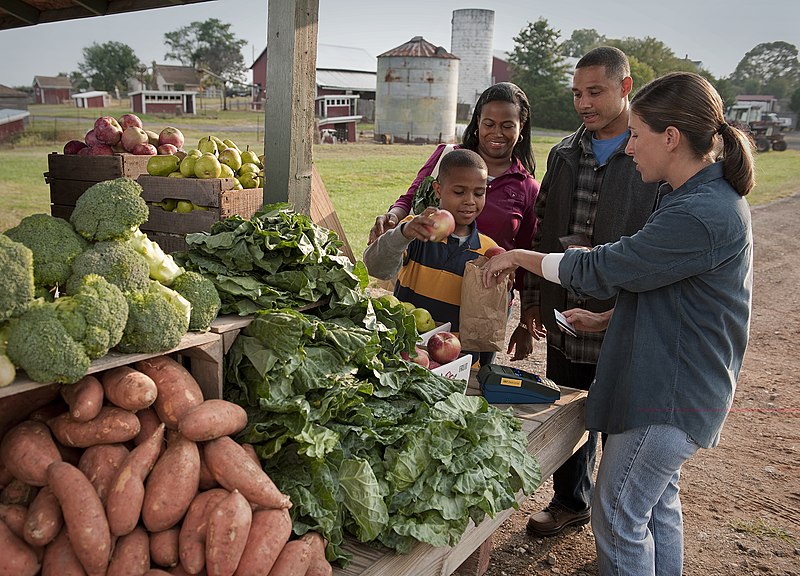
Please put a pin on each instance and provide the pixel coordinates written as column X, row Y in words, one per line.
column 69, row 176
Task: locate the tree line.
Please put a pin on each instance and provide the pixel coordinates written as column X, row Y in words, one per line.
column 538, row 64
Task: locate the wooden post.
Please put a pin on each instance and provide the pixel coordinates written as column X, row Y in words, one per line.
column 289, row 108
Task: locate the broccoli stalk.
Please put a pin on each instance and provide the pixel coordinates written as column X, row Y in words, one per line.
column 162, row 267
column 7, row 369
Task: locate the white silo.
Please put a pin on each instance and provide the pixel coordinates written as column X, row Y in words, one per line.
column 472, row 40
column 415, row 98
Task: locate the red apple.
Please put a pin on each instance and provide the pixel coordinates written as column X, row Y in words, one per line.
column 90, row 138
column 493, row 251
column 127, row 120
column 421, row 358
column 101, row 150
column 107, row 130
column 132, row 136
column 167, row 149
column 433, row 364
column 144, row 149
column 443, row 224
column 171, row 135
column 444, row 347
column 87, row 151
column 74, row 146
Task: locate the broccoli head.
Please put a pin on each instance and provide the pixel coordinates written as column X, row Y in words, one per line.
column 54, row 244
column 157, row 320
column 110, row 210
column 16, row 281
column 42, row 346
column 117, row 262
column 202, row 295
column 95, row 315
column 7, row 369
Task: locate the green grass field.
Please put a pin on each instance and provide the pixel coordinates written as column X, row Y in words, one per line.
column 362, row 179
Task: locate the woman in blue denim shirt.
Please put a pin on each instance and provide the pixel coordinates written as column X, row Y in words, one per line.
column 674, row 346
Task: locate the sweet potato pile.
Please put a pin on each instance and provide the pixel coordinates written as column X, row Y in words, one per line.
column 133, row 473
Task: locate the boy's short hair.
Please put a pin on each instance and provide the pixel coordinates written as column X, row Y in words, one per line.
column 460, row 158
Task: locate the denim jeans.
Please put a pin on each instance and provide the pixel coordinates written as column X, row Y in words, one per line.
column 636, row 512
column 572, row 481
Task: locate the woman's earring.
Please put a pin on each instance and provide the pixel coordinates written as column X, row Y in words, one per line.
column 521, row 138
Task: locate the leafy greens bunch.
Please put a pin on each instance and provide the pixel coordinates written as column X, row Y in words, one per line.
column 276, row 259
column 365, row 442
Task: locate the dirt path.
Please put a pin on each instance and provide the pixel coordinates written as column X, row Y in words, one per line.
column 741, row 500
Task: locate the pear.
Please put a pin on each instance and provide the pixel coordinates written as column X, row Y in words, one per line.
column 184, row 207
column 187, row 165
column 220, row 143
column 226, row 171
column 248, row 180
column 169, row 204
column 231, row 157
column 176, row 174
column 207, row 166
column 162, row 165
column 208, row 145
column 194, row 152
column 248, row 167
column 230, row 144
column 249, row 156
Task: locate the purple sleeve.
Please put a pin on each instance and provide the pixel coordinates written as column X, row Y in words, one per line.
column 404, row 202
column 527, row 228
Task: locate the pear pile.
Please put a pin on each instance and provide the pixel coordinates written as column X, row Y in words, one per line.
column 213, row 158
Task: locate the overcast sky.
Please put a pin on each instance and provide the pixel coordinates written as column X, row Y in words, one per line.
column 717, row 32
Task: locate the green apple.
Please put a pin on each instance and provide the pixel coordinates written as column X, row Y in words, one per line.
column 251, row 157
column 187, row 165
column 208, row 145
column 183, row 207
column 207, row 166
column 423, row 320
column 231, row 157
column 226, row 171
column 248, row 180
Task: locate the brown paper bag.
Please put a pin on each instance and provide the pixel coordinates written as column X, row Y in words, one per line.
column 484, row 311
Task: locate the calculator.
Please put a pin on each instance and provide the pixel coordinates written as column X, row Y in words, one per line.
column 507, row 385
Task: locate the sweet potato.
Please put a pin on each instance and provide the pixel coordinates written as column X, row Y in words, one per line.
column 251, row 451
column 14, row 516
column 100, row 464
column 207, row 480
column 44, row 519
column 18, row 559
column 18, row 492
column 156, row 572
column 5, row 475
column 129, row 388
column 269, row 532
column 318, row 565
column 234, row 470
column 164, row 547
column 111, row 426
column 84, row 516
column 228, row 528
column 293, row 559
column 60, row 559
column 192, row 536
column 84, row 398
column 212, row 419
column 126, row 493
column 178, row 570
column 16, row 407
column 49, row 410
column 131, row 556
column 178, row 391
column 27, row 450
column 172, row 485
column 149, row 421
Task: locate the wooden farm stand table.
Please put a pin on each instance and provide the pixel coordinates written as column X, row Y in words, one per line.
column 554, row 432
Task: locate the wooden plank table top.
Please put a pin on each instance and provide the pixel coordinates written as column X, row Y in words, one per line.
column 554, row 432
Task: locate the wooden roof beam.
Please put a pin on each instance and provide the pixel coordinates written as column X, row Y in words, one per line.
column 21, row 11
column 96, row 7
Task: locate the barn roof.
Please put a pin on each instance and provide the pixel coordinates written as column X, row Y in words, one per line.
column 10, row 92
column 345, row 80
column 177, row 74
column 8, row 115
column 52, row 81
column 421, row 48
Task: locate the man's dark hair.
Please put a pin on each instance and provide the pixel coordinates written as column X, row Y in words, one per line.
column 460, row 158
column 612, row 59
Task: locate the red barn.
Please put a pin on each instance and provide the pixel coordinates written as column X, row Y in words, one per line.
column 11, row 122
column 95, row 99
column 51, row 90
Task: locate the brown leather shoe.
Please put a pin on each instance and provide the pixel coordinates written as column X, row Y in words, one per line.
column 553, row 519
